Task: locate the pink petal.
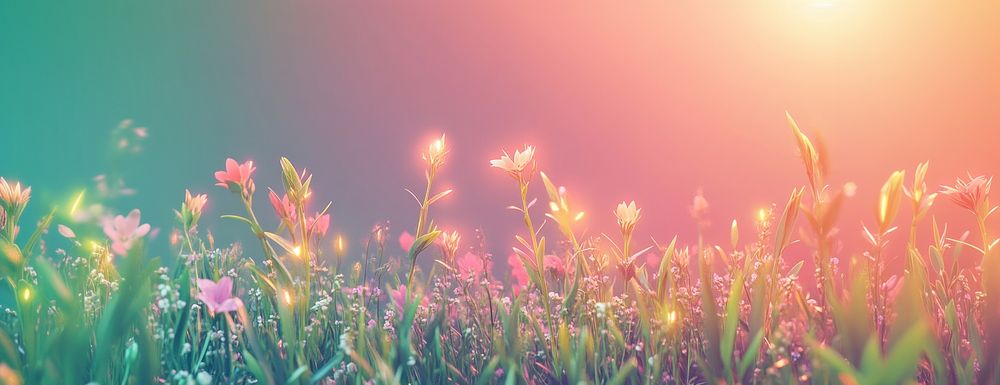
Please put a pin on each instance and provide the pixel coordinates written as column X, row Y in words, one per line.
column 120, row 248
column 221, row 177
column 132, row 221
column 232, row 168
column 66, row 231
column 141, row 231
column 230, row 304
column 406, row 240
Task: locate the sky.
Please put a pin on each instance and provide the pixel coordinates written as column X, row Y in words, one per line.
column 647, row 100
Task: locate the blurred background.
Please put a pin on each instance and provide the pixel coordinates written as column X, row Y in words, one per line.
column 645, row 100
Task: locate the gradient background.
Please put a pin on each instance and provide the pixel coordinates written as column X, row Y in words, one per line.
column 643, row 100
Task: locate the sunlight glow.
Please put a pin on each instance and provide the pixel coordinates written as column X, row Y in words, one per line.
column 76, row 202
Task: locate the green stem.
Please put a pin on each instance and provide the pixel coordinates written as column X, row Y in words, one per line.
column 422, row 219
column 540, row 263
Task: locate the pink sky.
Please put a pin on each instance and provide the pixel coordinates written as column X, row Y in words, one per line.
column 648, row 101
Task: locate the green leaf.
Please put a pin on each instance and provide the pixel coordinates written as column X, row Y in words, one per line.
column 294, row 377
column 902, row 361
column 281, row 241
column 750, row 356
column 729, row 324
column 182, row 321
column 623, row 372
column 43, row 225
column 422, row 242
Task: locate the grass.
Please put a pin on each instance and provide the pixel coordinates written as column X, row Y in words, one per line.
column 579, row 311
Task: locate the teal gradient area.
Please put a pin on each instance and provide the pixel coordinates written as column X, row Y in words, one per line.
column 651, row 101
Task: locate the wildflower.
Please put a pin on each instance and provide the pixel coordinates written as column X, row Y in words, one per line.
column 399, row 297
column 318, row 224
column 283, row 207
column 971, row 195
column 554, row 264
column 517, row 272
column 518, row 166
column 628, row 215
column 192, row 208
column 449, row 243
column 236, row 177
column 124, row 231
column 471, row 264
column 217, row 295
column 12, row 198
column 436, row 153
column 66, row 231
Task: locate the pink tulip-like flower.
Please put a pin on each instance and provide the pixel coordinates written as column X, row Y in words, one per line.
column 517, row 272
column 124, row 231
column 319, row 224
column 470, row 264
column 969, row 195
column 406, row 240
column 283, row 207
column 399, row 297
column 217, row 296
column 236, row 177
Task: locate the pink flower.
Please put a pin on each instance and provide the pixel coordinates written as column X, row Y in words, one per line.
column 236, row 177
column 472, row 264
column 123, row 231
column 554, row 264
column 217, row 296
column 653, row 261
column 406, row 240
column 13, row 197
column 517, row 272
column 969, row 195
column 195, row 203
column 319, row 224
column 399, row 297
column 283, row 207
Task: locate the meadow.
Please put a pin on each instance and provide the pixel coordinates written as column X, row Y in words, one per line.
column 290, row 309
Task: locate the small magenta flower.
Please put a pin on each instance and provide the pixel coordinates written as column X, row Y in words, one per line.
column 124, row 231
column 236, row 177
column 218, row 296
